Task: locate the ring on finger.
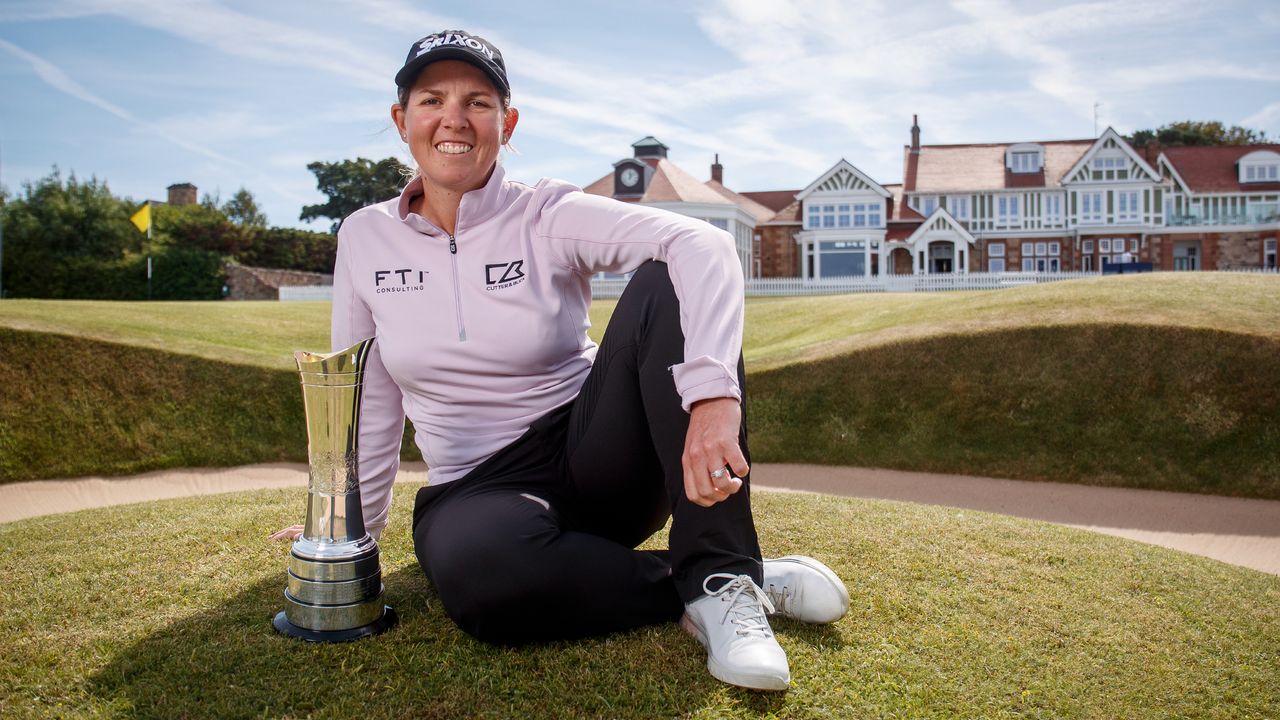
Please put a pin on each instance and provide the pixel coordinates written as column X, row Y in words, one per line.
column 718, row 473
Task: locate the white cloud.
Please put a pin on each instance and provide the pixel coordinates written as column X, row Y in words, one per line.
column 1267, row 119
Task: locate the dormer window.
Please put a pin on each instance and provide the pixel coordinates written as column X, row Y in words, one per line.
column 1024, row 158
column 1260, row 166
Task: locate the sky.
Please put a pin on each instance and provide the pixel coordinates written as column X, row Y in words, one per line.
column 226, row 94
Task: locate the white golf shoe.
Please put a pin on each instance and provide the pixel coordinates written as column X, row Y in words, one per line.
column 731, row 624
column 804, row 589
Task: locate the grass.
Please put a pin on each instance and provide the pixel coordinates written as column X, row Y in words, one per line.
column 779, row 331
column 1158, row 381
column 163, row 610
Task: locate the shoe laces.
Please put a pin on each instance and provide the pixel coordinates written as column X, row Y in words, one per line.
column 746, row 604
column 782, row 597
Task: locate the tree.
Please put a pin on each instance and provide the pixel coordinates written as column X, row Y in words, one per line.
column 1198, row 132
column 353, row 184
column 57, row 233
column 243, row 210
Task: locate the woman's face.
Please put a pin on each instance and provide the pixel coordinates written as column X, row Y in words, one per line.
column 454, row 124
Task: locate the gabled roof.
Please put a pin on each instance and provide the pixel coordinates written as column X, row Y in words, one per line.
column 978, row 167
column 1108, row 138
column 1214, row 169
column 668, row 184
column 775, row 200
column 843, row 176
column 789, row 215
column 941, row 220
column 752, row 208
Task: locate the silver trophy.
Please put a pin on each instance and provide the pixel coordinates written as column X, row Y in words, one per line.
column 334, row 590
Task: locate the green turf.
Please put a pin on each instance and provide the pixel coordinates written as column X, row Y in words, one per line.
column 1160, row 381
column 778, row 330
column 1154, row 407
column 163, row 610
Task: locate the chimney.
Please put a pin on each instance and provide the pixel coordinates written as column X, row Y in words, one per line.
column 915, row 135
column 182, row 194
column 717, row 170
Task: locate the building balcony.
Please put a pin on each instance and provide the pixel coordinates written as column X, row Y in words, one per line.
column 1256, row 215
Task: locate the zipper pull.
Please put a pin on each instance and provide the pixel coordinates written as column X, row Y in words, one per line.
column 453, row 246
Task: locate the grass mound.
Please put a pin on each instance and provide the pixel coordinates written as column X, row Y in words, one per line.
column 1140, row 406
column 72, row 406
column 166, row 613
column 1158, row 381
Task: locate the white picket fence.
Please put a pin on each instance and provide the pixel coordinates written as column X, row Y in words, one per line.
column 757, row 287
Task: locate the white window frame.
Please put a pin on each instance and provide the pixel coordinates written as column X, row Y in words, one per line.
column 1133, row 245
column 1028, row 264
column 1269, row 260
column 866, row 215
column 995, row 249
column 1108, row 162
column 928, row 204
column 958, row 207
column 1053, row 208
column 1092, row 204
column 1008, row 210
column 1086, row 263
column 1055, row 249
column 1104, row 245
column 1042, row 249
column 1127, row 205
column 1024, row 161
column 1088, row 247
column 995, row 265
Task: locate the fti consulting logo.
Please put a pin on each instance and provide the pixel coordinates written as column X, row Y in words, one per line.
column 399, row 281
column 499, row 276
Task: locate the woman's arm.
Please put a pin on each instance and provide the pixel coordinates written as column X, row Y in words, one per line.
column 381, row 402
column 590, row 234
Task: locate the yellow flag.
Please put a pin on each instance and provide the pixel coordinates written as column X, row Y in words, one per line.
column 142, row 218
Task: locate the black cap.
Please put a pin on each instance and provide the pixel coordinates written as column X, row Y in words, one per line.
column 455, row 45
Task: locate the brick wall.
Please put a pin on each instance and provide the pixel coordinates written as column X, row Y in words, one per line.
column 779, row 252
column 250, row 283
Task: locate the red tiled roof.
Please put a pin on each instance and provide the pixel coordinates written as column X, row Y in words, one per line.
column 668, row 184
column 671, row 184
column 949, row 168
column 603, row 186
column 775, row 200
column 753, row 208
column 1213, row 169
column 789, row 215
column 899, row 211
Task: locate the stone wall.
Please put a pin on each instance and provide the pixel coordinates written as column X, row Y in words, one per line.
column 251, row 283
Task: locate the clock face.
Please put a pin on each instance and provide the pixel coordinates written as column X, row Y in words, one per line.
column 630, row 177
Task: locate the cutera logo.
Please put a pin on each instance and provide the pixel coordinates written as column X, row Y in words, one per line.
column 503, row 274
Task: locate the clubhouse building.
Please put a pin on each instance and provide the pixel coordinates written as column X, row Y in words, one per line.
column 1038, row 206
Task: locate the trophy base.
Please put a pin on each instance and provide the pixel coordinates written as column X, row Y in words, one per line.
column 381, row 625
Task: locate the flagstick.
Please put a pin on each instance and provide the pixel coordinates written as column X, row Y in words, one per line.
column 150, row 221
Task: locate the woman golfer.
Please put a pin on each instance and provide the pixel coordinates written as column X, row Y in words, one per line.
column 551, row 458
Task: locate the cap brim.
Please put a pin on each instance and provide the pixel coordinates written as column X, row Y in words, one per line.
column 409, row 73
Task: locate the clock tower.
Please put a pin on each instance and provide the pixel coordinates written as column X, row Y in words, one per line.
column 631, row 176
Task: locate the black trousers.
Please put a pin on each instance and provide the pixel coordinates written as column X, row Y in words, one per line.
column 537, row 542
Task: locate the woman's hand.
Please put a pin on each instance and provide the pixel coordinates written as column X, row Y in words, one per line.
column 710, row 445
column 291, row 533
